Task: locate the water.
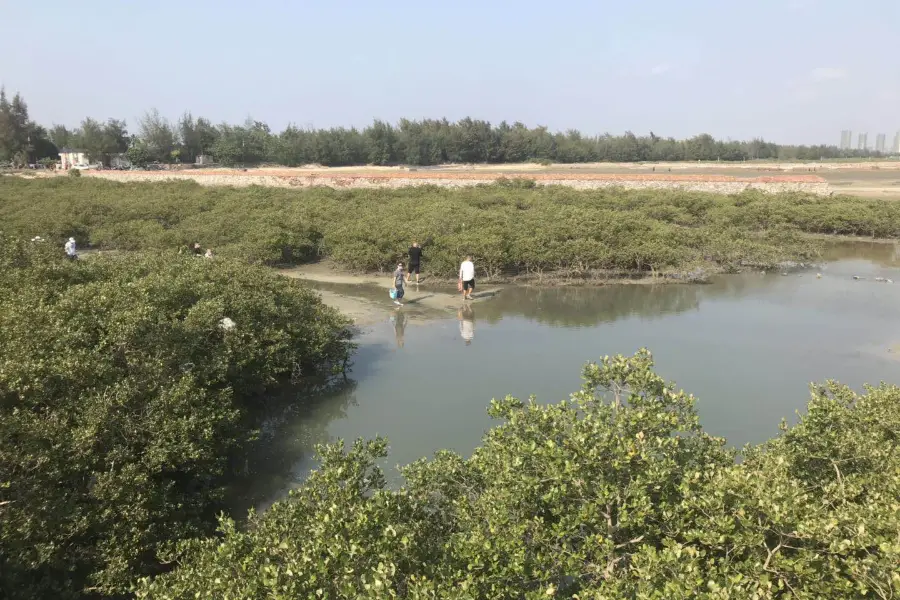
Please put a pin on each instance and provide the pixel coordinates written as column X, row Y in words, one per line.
column 747, row 346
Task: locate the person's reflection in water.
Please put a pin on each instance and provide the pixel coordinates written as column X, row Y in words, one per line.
column 466, row 316
column 399, row 321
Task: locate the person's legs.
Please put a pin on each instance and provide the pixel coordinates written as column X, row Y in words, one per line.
column 412, row 269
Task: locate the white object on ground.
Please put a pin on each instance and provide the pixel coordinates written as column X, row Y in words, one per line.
column 227, row 324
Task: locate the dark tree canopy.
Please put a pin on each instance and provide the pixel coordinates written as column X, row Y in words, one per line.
column 424, row 142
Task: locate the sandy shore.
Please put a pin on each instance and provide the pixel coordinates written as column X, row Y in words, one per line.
column 364, row 298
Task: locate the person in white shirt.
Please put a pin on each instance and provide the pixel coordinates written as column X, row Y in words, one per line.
column 71, row 251
column 467, row 278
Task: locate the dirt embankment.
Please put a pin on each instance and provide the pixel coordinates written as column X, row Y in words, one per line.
column 722, row 184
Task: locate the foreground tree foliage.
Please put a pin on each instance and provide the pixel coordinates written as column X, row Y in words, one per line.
column 509, row 230
column 616, row 493
column 124, row 400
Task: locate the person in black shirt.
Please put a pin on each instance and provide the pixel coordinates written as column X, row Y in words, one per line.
column 415, row 260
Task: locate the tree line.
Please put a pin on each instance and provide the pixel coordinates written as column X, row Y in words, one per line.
column 424, row 142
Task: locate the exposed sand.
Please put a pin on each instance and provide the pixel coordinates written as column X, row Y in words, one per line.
column 364, row 298
column 286, row 178
column 872, row 179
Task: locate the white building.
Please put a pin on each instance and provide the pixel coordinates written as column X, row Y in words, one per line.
column 846, row 139
column 69, row 157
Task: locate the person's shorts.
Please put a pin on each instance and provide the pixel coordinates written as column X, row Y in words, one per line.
column 469, row 285
column 399, row 293
column 413, row 269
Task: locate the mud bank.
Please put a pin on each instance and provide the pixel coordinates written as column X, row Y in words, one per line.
column 364, row 298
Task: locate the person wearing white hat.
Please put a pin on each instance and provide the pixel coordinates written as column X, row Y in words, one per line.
column 71, row 251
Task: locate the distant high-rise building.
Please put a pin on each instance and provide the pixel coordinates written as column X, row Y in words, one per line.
column 879, row 142
column 862, row 141
column 846, row 139
column 896, row 147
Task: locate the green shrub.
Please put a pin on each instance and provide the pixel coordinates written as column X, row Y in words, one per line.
column 518, row 183
column 510, row 228
column 616, row 493
column 74, row 173
column 124, row 397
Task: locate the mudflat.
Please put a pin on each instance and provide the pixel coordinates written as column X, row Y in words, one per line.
column 364, row 298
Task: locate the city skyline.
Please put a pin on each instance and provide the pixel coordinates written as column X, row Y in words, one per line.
column 862, row 138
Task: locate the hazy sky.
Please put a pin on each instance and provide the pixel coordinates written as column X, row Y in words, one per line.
column 788, row 70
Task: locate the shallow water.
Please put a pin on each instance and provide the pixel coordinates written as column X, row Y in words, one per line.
column 746, row 345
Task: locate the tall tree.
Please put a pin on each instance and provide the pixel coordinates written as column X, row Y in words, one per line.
column 90, row 139
column 380, row 138
column 7, row 141
column 40, row 145
column 158, row 135
column 197, row 136
column 115, row 137
column 14, row 128
column 61, row 136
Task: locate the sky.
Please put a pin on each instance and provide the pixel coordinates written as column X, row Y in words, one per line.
column 790, row 71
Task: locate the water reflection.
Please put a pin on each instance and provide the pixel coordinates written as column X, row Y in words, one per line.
column 572, row 306
column 884, row 254
column 398, row 320
column 466, row 317
column 290, row 424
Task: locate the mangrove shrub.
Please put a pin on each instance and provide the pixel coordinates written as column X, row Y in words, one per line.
column 509, row 230
column 615, row 493
column 125, row 387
